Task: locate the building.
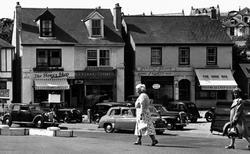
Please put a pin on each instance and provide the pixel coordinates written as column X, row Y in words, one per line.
column 6, row 82
column 179, row 58
column 73, row 54
column 213, row 12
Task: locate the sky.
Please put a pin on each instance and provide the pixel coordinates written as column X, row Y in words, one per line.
column 130, row 7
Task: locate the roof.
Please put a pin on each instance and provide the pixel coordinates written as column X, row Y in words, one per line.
column 176, row 30
column 5, row 44
column 69, row 27
column 246, row 69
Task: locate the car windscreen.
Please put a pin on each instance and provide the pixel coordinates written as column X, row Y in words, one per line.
column 161, row 109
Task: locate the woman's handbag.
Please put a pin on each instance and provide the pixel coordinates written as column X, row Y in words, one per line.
column 142, row 125
column 233, row 132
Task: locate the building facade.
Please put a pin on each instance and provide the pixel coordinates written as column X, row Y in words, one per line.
column 185, row 58
column 74, row 53
column 6, row 78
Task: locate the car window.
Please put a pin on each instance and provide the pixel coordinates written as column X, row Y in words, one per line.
column 16, row 108
column 24, row 108
column 115, row 112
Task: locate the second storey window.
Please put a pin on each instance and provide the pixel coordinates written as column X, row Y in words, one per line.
column 96, row 27
column 184, row 56
column 156, row 56
column 98, row 57
column 46, row 28
column 48, row 57
column 231, row 30
column 211, row 56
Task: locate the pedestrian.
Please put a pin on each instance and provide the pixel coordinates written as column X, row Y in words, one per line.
column 237, row 118
column 143, row 115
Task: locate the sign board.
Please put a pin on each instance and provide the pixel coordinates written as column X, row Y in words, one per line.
column 54, row 98
column 4, row 93
column 156, row 86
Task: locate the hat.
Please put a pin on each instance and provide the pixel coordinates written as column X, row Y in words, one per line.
column 238, row 90
column 141, row 86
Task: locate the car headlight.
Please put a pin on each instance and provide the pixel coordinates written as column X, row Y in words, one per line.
column 178, row 119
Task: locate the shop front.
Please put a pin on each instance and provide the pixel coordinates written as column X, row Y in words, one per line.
column 94, row 85
column 213, row 85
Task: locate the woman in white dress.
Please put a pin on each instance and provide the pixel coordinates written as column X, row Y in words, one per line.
column 143, row 116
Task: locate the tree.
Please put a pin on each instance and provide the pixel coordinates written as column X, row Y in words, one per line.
column 6, row 28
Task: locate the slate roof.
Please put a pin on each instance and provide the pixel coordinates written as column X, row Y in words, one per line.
column 5, row 44
column 69, row 29
column 246, row 69
column 176, row 30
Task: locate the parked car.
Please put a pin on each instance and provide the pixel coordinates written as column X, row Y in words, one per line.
column 209, row 115
column 29, row 114
column 69, row 115
column 186, row 106
column 100, row 109
column 124, row 118
column 173, row 119
column 222, row 114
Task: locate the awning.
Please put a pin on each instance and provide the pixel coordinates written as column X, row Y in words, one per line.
column 216, row 79
column 58, row 84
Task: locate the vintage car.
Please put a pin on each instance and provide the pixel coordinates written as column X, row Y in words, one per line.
column 188, row 107
column 29, row 114
column 173, row 119
column 100, row 109
column 124, row 118
column 68, row 115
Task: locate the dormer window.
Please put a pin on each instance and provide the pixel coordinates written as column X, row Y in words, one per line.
column 46, row 28
column 96, row 27
column 46, row 24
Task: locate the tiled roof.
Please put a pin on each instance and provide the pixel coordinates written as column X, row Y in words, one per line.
column 176, row 30
column 69, row 27
column 246, row 69
column 4, row 44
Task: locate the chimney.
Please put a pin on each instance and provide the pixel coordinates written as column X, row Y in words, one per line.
column 117, row 17
column 18, row 16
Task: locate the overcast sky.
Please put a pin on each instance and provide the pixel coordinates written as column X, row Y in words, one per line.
column 7, row 7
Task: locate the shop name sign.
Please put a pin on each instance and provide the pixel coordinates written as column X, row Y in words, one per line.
column 218, row 87
column 52, row 75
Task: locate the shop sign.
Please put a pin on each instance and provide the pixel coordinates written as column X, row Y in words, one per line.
column 4, row 93
column 95, row 75
column 156, row 86
column 53, row 75
column 218, row 87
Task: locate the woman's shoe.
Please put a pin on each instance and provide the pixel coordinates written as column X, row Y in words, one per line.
column 154, row 143
column 229, row 147
column 137, row 143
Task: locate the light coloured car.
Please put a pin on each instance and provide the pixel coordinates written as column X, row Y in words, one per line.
column 124, row 118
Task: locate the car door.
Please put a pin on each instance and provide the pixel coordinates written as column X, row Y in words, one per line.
column 126, row 120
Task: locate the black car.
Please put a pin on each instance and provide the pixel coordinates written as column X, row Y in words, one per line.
column 100, row 109
column 29, row 114
column 186, row 106
column 173, row 119
column 69, row 115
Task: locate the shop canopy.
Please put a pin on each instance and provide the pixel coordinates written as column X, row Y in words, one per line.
column 52, row 84
column 215, row 79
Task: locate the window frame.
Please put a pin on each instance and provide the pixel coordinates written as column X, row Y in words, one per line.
column 48, row 55
column 96, row 28
column 47, row 28
column 186, row 56
column 208, row 56
column 155, row 58
column 99, row 58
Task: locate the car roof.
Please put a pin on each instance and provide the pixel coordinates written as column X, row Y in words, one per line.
column 122, row 107
column 113, row 103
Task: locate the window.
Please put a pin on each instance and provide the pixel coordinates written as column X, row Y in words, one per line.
column 211, row 56
column 156, row 56
column 3, row 85
column 231, row 30
column 184, row 56
column 46, row 28
column 96, row 27
column 98, row 58
column 48, row 57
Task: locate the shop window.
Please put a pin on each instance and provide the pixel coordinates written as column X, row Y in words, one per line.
column 156, row 56
column 184, row 56
column 232, row 31
column 98, row 58
column 48, row 57
column 211, row 94
column 211, row 56
column 3, row 85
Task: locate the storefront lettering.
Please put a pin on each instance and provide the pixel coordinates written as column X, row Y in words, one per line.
column 52, row 75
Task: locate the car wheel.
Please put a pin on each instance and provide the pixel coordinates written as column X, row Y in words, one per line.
column 66, row 119
column 170, row 125
column 179, row 127
column 108, row 128
column 7, row 121
column 209, row 117
column 39, row 122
